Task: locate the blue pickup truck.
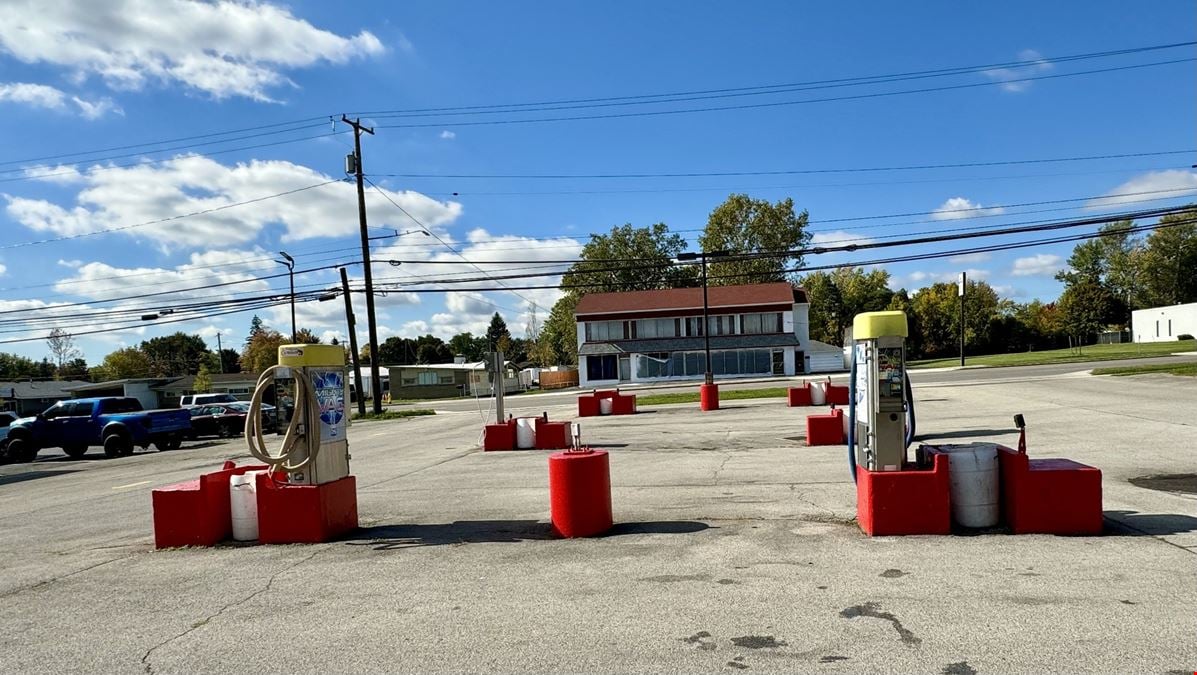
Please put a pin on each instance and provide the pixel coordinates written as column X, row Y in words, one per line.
column 115, row 423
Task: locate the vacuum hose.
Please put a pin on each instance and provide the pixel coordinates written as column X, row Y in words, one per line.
column 292, row 446
column 852, row 414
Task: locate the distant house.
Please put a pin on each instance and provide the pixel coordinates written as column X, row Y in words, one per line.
column 1164, row 324
column 444, row 380
column 240, row 385
column 140, row 388
column 755, row 330
column 30, row 398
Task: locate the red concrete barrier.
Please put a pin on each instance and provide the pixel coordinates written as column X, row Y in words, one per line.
column 911, row 501
column 499, row 436
column 588, row 406
column 623, row 404
column 825, row 429
column 837, row 394
column 553, row 435
column 305, row 514
column 580, row 493
column 798, row 396
column 195, row 512
column 1049, row 496
column 708, row 396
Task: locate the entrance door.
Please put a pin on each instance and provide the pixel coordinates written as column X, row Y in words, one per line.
column 779, row 363
column 625, row 368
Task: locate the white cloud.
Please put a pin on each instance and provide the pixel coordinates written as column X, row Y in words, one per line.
column 222, row 48
column 1009, row 291
column 51, row 98
column 920, row 278
column 1039, row 265
column 448, row 135
column 113, row 197
column 969, row 258
column 838, row 238
column 3, row 269
column 1008, row 76
column 957, row 208
column 1156, row 184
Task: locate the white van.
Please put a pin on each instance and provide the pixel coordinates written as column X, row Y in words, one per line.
column 205, row 399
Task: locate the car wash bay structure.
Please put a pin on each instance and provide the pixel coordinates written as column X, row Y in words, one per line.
column 755, row 329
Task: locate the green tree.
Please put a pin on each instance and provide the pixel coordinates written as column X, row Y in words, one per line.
column 836, row 297
column 937, row 310
column 62, row 347
column 255, row 327
column 176, row 354
column 629, row 259
column 230, row 361
column 125, row 363
column 900, row 301
column 203, row 381
column 1085, row 307
column 262, row 350
column 559, row 337
column 745, row 225
column 305, row 336
column 13, row 366
column 1168, row 269
column 497, row 332
column 468, row 346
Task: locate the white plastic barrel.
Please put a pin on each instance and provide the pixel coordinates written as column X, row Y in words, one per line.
column 818, row 394
column 606, row 406
column 243, row 501
column 525, row 432
column 973, row 480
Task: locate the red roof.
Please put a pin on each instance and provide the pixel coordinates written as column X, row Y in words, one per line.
column 779, row 293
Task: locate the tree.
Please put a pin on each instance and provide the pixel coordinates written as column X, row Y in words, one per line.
column 496, row 332
column 630, row 259
column 176, row 354
column 62, row 347
column 13, row 366
column 937, row 310
column 559, row 337
column 1168, row 270
column 1085, row 307
column 125, row 363
column 305, row 336
column 745, row 225
column 203, row 381
column 230, row 361
column 262, row 350
column 836, row 297
column 468, row 346
column 255, row 327
column 433, row 348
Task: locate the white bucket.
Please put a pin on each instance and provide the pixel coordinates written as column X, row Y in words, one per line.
column 525, row 432
column 973, row 479
column 243, row 502
column 818, row 395
column 606, row 406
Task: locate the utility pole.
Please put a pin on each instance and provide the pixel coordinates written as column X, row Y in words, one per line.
column 219, row 353
column 290, row 263
column 963, row 289
column 353, row 355
column 709, row 378
column 375, row 380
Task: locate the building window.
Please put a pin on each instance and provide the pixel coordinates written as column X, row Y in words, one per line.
column 722, row 325
column 694, row 326
column 601, row 367
column 653, row 364
column 602, row 331
column 757, row 324
column 427, row 377
column 655, row 328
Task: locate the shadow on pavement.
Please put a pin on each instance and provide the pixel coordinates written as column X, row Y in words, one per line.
column 31, row 475
column 397, row 537
column 1135, row 524
column 966, row 433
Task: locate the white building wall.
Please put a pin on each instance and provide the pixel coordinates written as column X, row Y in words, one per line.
column 142, row 392
column 1164, row 324
column 801, row 323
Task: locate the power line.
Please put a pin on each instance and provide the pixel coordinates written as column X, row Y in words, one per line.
column 791, row 172
column 775, row 104
column 766, row 89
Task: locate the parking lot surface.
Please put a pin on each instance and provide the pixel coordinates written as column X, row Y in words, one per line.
column 735, row 549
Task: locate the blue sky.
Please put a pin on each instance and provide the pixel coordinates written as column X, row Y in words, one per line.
column 129, row 73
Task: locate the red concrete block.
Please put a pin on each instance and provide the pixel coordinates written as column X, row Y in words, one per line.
column 606, row 393
column 1050, row 496
column 708, row 396
column 195, row 512
column 837, row 394
column 500, row 436
column 623, row 404
column 911, row 501
column 580, row 493
column 588, row 406
column 305, row 514
column 798, row 396
column 552, row 435
column 825, row 429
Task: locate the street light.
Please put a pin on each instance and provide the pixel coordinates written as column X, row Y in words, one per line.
column 290, row 263
column 706, row 325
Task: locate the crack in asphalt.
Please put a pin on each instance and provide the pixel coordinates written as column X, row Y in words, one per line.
column 715, row 476
column 51, row 580
column 145, row 658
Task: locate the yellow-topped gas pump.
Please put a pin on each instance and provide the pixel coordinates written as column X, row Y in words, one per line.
column 315, row 447
column 881, row 412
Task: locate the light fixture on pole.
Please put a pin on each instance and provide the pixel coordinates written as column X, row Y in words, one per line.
column 290, row 263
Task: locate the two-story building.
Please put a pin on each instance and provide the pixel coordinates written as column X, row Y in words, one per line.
column 755, row 330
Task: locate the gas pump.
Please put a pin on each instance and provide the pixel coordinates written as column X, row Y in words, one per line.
column 315, row 448
column 881, row 409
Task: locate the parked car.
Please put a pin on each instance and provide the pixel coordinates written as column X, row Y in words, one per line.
column 191, row 400
column 226, row 420
column 7, row 417
column 117, row 423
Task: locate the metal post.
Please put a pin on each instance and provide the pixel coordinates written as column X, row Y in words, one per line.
column 219, row 352
column 353, row 355
column 709, row 378
column 963, row 291
column 498, row 385
column 375, row 379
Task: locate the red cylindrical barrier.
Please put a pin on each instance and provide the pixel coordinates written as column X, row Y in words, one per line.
column 580, row 493
column 708, row 395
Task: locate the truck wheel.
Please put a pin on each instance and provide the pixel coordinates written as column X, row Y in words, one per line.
column 117, row 445
column 21, row 450
column 75, row 451
column 170, row 442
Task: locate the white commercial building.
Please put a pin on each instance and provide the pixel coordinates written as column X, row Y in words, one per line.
column 755, row 330
column 1164, row 324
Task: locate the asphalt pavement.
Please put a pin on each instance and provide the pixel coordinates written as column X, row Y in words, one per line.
column 735, row 549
